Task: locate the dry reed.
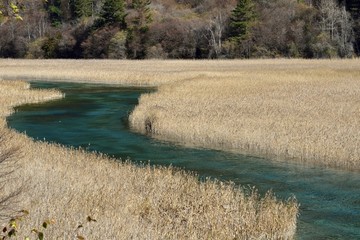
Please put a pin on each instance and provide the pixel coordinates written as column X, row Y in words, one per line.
column 128, row 201
column 307, row 111
column 158, row 72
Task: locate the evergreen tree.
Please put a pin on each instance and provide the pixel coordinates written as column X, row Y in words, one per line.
column 53, row 8
column 113, row 13
column 353, row 6
column 84, row 8
column 143, row 15
column 241, row 20
column 139, row 19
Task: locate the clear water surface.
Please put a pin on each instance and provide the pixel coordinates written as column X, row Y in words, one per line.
column 95, row 117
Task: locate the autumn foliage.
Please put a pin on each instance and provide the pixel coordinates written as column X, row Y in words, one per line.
column 179, row 29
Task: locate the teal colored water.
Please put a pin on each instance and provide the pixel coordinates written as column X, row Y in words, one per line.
column 95, row 117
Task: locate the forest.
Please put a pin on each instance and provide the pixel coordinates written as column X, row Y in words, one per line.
column 179, row 29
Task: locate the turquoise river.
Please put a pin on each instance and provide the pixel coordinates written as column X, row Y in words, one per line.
column 95, row 117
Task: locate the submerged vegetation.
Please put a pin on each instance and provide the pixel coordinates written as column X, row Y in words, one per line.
column 119, row 200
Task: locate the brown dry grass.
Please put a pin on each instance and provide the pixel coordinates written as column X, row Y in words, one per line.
column 134, row 73
column 286, row 109
column 158, row 72
column 128, row 201
column 304, row 110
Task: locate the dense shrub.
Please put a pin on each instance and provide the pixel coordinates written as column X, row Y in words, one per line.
column 96, row 45
column 117, row 46
column 35, row 49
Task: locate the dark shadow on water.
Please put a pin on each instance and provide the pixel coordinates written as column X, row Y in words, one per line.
column 95, row 117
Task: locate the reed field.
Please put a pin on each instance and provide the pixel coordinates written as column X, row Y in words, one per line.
column 86, row 195
column 290, row 110
column 304, row 111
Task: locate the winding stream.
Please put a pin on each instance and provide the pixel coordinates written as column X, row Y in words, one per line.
column 95, row 117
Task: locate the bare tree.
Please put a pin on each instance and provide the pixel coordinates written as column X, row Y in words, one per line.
column 345, row 34
column 330, row 15
column 36, row 21
column 336, row 21
column 215, row 29
column 277, row 22
column 216, row 24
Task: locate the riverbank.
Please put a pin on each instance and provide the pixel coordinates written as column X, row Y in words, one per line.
column 70, row 188
column 289, row 110
column 298, row 110
column 302, row 111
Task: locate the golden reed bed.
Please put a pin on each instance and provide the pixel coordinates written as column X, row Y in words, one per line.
column 299, row 110
column 305, row 111
column 70, row 188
